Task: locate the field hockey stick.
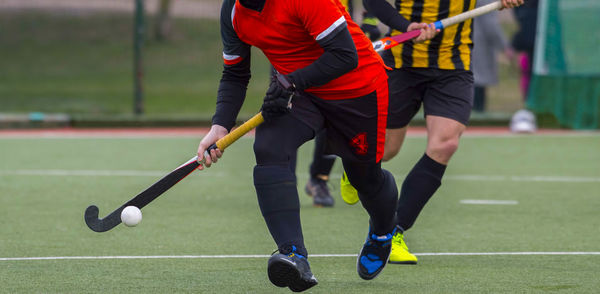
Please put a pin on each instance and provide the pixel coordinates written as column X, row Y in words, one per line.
column 168, row 181
column 389, row 42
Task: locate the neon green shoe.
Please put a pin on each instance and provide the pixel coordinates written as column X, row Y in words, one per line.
column 400, row 254
column 349, row 194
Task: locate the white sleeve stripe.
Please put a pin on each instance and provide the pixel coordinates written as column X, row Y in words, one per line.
column 232, row 13
column 331, row 28
column 230, row 57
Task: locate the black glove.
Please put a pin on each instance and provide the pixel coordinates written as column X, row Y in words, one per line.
column 278, row 100
column 369, row 27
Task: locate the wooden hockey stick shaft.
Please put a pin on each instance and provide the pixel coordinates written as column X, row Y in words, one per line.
column 446, row 22
column 240, row 131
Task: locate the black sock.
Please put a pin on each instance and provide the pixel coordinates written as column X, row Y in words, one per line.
column 420, row 184
column 278, row 201
column 377, row 192
column 380, row 205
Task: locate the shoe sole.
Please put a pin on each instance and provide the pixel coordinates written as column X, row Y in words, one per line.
column 402, row 262
column 348, row 202
column 283, row 274
column 367, row 276
column 318, row 204
column 321, row 205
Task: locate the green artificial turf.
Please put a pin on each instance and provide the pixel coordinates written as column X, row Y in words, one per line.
column 46, row 184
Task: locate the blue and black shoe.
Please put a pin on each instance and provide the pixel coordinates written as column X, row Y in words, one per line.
column 290, row 270
column 374, row 255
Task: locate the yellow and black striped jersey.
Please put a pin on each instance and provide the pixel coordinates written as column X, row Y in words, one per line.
column 349, row 7
column 450, row 49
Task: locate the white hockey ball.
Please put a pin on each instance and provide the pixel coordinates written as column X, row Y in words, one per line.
column 131, row 216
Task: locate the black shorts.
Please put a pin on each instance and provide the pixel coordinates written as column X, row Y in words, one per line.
column 355, row 127
column 445, row 93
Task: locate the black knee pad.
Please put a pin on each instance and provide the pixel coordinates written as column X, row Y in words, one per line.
column 265, row 153
column 367, row 179
column 388, row 187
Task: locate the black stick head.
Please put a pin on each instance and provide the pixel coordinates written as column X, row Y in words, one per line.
column 101, row 225
column 140, row 200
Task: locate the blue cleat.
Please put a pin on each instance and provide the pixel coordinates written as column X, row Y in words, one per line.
column 290, row 270
column 374, row 255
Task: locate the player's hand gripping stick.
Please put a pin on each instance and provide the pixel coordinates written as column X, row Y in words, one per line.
column 389, row 42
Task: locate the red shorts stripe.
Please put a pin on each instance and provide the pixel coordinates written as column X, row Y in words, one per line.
column 382, row 109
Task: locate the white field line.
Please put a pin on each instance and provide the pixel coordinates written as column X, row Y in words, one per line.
column 477, row 135
column 209, row 173
column 123, row 136
column 90, row 173
column 489, row 202
column 563, row 179
column 267, row 256
column 193, row 134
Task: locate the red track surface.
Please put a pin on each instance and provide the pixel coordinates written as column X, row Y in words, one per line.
column 199, row 132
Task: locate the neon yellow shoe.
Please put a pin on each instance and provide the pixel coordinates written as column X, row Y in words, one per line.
column 349, row 194
column 400, row 254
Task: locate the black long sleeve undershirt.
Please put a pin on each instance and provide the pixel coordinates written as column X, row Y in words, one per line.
column 340, row 57
column 387, row 14
column 231, row 93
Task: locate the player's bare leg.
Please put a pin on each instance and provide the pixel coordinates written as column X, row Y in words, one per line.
column 443, row 135
column 394, row 138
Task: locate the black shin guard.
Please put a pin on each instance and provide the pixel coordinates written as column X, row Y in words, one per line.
column 418, row 187
column 381, row 205
column 278, row 200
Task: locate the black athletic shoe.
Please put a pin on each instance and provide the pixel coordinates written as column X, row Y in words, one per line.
column 374, row 255
column 291, row 270
column 318, row 189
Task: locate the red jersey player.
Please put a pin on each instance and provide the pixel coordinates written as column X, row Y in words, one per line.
column 336, row 82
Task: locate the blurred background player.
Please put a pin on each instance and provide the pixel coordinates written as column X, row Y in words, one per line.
column 490, row 40
column 434, row 70
column 523, row 40
column 338, row 83
column 322, row 163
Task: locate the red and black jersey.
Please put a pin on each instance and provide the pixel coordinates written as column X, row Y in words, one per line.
column 289, row 34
